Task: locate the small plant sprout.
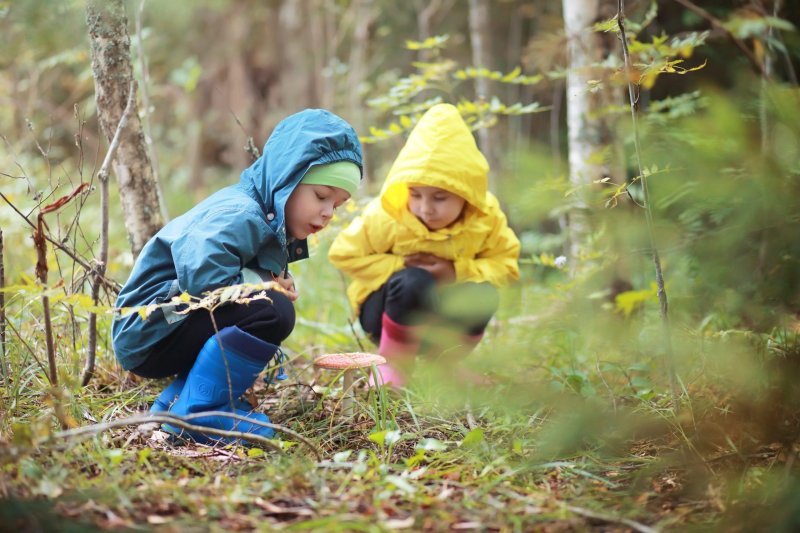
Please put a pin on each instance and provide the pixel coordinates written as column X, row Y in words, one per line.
column 349, row 363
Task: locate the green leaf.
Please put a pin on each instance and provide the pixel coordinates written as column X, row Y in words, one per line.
column 473, row 438
column 255, row 452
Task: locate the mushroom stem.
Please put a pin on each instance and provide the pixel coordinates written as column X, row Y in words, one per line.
column 348, row 393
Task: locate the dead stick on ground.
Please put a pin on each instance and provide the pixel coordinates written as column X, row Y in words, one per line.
column 184, row 422
column 611, row 520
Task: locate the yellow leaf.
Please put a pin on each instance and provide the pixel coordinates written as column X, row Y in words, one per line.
column 512, row 75
column 629, row 301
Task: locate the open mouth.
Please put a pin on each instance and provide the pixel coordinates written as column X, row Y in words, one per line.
column 315, row 228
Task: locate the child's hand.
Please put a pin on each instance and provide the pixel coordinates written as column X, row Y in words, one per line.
column 287, row 284
column 443, row 270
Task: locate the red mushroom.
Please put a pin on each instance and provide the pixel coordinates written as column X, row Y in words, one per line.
column 348, row 362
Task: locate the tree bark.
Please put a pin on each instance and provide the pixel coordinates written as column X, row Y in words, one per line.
column 480, row 39
column 359, row 53
column 113, row 74
column 294, row 74
column 585, row 133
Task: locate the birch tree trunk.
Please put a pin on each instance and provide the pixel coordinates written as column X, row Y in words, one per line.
column 585, row 133
column 480, row 38
column 113, row 74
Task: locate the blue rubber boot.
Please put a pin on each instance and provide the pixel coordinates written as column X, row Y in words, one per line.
column 207, row 386
column 171, row 392
column 168, row 395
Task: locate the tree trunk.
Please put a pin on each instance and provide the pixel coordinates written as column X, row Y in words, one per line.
column 359, row 57
column 480, row 38
column 294, row 75
column 321, row 53
column 359, row 51
column 113, row 75
column 585, row 133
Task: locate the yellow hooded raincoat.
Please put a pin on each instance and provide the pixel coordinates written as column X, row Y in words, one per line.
column 440, row 152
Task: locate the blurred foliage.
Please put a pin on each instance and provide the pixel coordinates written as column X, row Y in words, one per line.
column 408, row 98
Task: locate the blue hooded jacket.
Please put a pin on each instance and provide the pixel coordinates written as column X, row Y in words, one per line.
column 240, row 226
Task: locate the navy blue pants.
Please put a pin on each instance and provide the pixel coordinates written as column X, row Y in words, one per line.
column 411, row 297
column 271, row 322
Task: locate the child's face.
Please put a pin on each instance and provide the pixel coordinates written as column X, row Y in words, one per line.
column 435, row 207
column 310, row 208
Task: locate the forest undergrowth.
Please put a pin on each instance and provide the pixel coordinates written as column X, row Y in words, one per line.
column 577, row 431
column 595, row 415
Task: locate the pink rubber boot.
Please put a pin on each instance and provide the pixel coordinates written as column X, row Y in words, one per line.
column 399, row 345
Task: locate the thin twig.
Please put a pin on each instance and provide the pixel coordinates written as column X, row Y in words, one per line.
column 662, row 292
column 28, row 346
column 715, row 22
column 250, row 146
column 41, row 276
column 110, row 285
column 100, row 267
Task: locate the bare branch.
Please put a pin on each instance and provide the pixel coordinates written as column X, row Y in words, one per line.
column 100, row 267
column 716, row 23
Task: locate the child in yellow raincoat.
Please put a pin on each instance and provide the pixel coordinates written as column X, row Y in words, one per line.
column 431, row 249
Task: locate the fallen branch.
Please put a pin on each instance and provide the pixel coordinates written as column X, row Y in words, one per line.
column 611, row 519
column 184, row 423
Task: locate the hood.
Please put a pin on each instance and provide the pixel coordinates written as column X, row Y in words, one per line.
column 440, row 152
column 300, row 141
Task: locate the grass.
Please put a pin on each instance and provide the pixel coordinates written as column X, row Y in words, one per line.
column 578, row 430
column 576, row 433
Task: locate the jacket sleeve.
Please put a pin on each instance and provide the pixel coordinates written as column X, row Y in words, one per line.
column 212, row 252
column 363, row 249
column 497, row 262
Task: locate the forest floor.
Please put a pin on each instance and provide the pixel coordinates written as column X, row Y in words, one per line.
column 402, row 461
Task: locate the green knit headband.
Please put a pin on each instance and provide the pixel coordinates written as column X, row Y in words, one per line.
column 342, row 174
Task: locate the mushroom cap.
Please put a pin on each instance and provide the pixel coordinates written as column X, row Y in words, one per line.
column 347, row 361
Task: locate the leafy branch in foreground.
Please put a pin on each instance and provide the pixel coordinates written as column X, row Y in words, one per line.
column 661, row 290
column 443, row 75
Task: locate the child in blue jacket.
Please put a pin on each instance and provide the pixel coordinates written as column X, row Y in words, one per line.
column 247, row 232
